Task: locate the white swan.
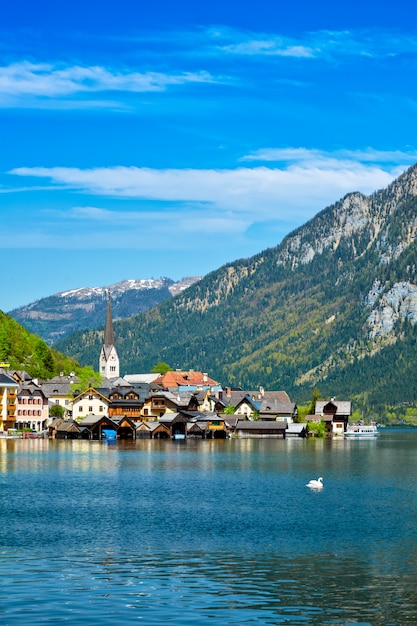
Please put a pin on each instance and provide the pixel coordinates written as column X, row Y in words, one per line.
column 316, row 484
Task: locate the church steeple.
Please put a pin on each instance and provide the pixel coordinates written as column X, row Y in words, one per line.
column 109, row 361
column 108, row 329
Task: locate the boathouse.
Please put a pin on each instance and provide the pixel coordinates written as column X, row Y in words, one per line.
column 261, row 428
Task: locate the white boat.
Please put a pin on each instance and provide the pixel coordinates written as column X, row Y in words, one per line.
column 362, row 431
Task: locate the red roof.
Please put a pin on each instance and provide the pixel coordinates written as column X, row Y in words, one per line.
column 175, row 379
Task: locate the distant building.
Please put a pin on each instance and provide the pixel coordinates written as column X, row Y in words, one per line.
column 8, row 397
column 109, row 366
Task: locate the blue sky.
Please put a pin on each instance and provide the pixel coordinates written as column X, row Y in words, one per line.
column 142, row 140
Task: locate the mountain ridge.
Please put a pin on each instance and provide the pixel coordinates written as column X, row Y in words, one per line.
column 60, row 314
column 336, row 296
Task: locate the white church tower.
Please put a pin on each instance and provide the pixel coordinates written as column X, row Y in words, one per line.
column 109, row 361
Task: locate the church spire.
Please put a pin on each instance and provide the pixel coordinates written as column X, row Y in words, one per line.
column 108, row 329
column 109, row 360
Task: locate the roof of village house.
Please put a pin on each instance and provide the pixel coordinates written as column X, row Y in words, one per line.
column 276, row 407
column 114, row 382
column 178, row 398
column 279, row 396
column 295, row 429
column 91, row 419
column 175, row 379
column 91, row 392
column 134, row 379
column 61, row 425
column 7, row 381
column 60, row 385
column 247, row 399
column 261, row 425
column 154, row 425
column 31, row 389
column 169, row 418
column 343, row 407
column 21, row 376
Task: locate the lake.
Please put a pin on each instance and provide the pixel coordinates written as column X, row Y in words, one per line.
column 209, row 532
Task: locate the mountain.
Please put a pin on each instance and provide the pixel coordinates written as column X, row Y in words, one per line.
column 59, row 315
column 333, row 306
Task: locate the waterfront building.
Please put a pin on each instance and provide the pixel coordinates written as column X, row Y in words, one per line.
column 90, row 401
column 32, row 408
column 61, row 390
column 8, row 401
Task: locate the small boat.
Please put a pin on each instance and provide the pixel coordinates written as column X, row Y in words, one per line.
column 362, row 431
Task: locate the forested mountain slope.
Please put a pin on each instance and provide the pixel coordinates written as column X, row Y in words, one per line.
column 333, row 306
column 22, row 350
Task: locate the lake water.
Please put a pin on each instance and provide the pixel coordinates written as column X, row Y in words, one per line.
column 209, row 532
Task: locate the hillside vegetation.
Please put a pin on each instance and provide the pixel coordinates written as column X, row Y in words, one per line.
column 24, row 351
column 333, row 306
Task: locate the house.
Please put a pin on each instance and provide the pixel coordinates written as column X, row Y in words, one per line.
column 335, row 413
column 8, row 401
column 274, row 409
column 61, row 390
column 64, row 429
column 161, row 402
column 247, row 407
column 99, row 427
column 91, row 401
column 176, row 423
column 259, row 428
column 32, row 408
column 128, row 401
column 126, row 427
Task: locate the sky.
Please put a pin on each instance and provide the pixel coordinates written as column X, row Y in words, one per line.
column 147, row 139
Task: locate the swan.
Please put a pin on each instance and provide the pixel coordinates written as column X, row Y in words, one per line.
column 316, row 484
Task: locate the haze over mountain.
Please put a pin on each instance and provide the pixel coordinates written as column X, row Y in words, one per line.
column 334, row 306
column 58, row 315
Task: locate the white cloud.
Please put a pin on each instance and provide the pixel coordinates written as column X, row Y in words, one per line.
column 326, row 44
column 311, row 181
column 336, row 159
column 42, row 80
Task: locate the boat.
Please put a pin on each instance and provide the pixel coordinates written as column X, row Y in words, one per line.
column 362, row 431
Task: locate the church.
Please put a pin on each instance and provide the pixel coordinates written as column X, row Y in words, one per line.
column 109, row 366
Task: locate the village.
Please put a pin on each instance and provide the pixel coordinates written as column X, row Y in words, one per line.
column 173, row 405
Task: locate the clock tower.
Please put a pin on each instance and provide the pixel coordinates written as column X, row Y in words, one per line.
column 109, row 361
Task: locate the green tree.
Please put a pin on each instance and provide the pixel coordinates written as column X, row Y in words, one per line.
column 88, row 378
column 316, row 429
column 315, row 396
column 56, row 410
column 161, row 368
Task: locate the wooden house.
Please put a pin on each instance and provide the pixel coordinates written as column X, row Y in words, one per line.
column 260, row 428
column 335, row 414
column 64, row 429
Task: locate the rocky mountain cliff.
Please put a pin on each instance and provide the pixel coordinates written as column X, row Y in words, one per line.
column 59, row 315
column 333, row 306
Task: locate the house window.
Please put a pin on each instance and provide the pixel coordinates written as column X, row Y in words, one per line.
column 66, row 402
column 56, row 401
column 100, row 408
column 90, row 409
column 112, row 368
column 80, row 409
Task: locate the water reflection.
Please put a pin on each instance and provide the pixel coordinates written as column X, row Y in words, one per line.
column 208, row 531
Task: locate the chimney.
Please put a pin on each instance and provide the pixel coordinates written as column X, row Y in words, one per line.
column 262, row 391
